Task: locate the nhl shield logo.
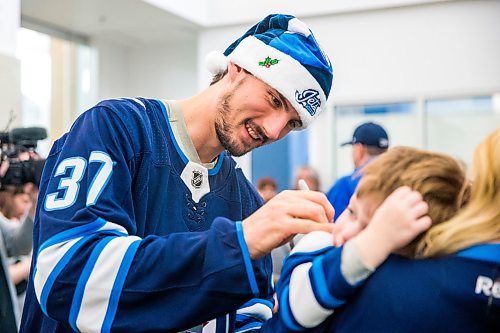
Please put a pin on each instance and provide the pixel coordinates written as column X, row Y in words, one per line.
column 197, row 179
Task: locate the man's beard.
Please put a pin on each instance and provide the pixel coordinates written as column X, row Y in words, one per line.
column 225, row 131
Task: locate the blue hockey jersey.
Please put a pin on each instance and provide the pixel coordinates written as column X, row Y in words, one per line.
column 455, row 293
column 132, row 236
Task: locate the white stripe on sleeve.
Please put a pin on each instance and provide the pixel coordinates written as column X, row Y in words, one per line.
column 47, row 261
column 257, row 310
column 305, row 308
column 98, row 288
column 313, row 241
column 210, row 327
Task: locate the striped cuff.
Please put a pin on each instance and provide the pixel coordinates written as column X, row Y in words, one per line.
column 246, row 259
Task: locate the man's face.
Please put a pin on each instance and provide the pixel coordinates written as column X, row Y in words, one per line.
column 253, row 114
column 354, row 219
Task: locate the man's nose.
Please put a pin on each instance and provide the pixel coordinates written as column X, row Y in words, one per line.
column 274, row 125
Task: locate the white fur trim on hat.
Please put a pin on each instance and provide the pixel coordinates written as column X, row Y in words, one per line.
column 216, row 62
column 287, row 76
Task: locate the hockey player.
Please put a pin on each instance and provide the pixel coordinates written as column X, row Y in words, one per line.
column 146, row 223
column 454, row 288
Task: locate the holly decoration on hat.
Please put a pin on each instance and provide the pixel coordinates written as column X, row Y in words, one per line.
column 268, row 62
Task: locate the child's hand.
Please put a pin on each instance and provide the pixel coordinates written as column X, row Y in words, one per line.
column 399, row 219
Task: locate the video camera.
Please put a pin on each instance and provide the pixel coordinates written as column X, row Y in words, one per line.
column 12, row 146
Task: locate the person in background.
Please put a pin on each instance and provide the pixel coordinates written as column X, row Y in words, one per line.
column 310, row 176
column 267, row 188
column 145, row 220
column 17, row 208
column 368, row 141
column 8, row 309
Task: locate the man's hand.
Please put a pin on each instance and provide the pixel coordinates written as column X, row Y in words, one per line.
column 400, row 218
column 287, row 214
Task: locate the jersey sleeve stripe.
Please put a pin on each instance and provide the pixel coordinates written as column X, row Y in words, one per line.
column 50, row 264
column 253, row 301
column 55, row 254
column 255, row 326
column 97, row 291
column 257, row 310
column 118, row 285
column 98, row 225
column 320, row 286
column 304, row 306
column 80, row 286
column 313, row 242
column 72, row 233
column 138, row 101
column 246, row 259
column 286, row 313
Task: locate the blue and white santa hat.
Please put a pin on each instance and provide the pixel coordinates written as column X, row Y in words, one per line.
column 282, row 51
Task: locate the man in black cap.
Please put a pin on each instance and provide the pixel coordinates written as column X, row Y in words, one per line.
column 368, row 141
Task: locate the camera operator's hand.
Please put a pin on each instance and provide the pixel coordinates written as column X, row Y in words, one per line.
column 32, row 190
column 4, row 166
column 20, row 271
column 287, row 214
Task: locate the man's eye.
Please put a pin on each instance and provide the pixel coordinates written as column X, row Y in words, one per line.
column 277, row 102
column 295, row 123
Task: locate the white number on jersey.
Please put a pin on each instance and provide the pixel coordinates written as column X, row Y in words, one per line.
column 71, row 184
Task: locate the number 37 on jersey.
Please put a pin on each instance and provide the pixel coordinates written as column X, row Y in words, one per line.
column 69, row 183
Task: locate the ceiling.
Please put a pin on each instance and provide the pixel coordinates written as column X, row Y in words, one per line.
column 159, row 22
column 128, row 22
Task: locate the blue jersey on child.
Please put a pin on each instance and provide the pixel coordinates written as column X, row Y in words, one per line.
column 455, row 293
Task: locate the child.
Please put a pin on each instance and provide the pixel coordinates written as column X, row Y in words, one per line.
column 319, row 278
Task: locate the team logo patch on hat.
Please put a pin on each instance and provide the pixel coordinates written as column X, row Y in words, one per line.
column 309, row 99
column 268, row 62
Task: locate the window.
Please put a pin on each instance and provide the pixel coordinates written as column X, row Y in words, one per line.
column 456, row 126
column 58, row 82
column 398, row 119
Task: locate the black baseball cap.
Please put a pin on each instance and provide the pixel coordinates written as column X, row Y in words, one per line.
column 369, row 134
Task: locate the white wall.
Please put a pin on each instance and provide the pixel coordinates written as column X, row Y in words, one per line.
column 10, row 71
column 146, row 71
column 113, row 64
column 445, row 47
column 166, row 71
column 10, row 91
column 403, row 53
column 10, row 21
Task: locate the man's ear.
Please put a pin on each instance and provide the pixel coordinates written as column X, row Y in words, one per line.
column 234, row 70
column 357, row 153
